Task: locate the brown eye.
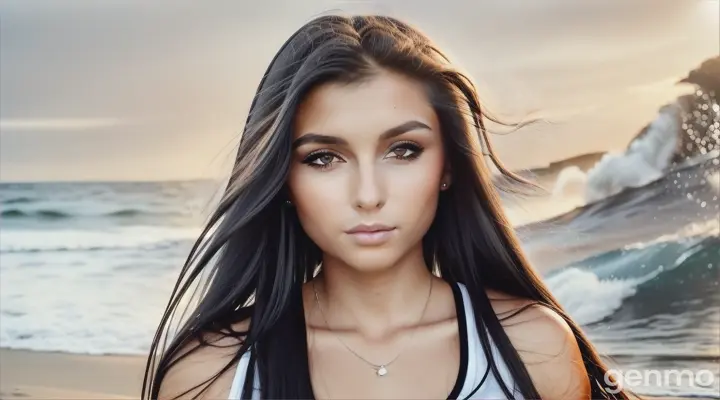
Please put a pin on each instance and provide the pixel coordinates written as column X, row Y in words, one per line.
column 405, row 151
column 401, row 152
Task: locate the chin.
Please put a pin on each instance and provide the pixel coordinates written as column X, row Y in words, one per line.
column 370, row 259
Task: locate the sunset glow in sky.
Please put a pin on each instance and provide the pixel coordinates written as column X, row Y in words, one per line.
column 139, row 90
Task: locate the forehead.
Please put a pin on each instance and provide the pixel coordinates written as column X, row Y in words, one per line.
column 369, row 107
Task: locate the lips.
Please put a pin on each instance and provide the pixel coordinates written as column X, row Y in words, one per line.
column 371, row 235
column 370, row 228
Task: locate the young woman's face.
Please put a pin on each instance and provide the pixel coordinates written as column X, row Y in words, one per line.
column 367, row 170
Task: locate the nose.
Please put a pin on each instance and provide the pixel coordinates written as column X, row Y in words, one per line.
column 369, row 188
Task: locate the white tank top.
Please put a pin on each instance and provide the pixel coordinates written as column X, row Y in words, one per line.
column 475, row 380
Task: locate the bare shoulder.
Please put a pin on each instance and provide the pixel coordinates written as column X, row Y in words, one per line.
column 546, row 345
column 189, row 375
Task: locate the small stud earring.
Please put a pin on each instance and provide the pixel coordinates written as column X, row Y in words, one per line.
column 443, row 186
column 288, row 203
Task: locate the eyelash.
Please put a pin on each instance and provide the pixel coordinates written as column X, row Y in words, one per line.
column 414, row 147
column 314, row 156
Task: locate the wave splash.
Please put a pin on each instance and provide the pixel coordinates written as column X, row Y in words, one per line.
column 684, row 132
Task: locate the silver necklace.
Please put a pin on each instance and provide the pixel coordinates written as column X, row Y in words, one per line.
column 380, row 369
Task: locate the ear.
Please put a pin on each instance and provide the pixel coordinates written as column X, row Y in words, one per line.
column 287, row 196
column 446, row 180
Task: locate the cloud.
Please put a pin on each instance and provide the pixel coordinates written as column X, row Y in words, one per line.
column 56, row 124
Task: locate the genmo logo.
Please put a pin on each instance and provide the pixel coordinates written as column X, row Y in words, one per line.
column 617, row 379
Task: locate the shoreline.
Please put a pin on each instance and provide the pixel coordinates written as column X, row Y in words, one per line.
column 29, row 374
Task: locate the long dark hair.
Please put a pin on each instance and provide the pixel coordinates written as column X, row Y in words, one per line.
column 256, row 256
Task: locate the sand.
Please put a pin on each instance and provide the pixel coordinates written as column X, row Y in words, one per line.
column 30, row 375
column 26, row 375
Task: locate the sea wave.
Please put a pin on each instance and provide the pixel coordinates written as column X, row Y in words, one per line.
column 678, row 136
column 18, row 200
column 592, row 290
column 697, row 181
column 131, row 237
column 38, row 214
column 693, row 230
column 646, row 160
column 46, row 214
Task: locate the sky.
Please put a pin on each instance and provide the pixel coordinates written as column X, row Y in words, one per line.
column 141, row 90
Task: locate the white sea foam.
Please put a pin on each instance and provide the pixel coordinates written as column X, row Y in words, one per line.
column 645, row 160
column 82, row 302
column 571, row 181
column 588, row 298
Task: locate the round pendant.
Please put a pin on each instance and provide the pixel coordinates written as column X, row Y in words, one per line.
column 382, row 371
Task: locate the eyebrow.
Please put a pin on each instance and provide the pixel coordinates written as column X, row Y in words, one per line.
column 334, row 140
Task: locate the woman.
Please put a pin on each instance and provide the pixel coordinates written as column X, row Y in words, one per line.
column 360, row 250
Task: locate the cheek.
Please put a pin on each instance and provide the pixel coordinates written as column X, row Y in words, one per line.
column 317, row 200
column 414, row 190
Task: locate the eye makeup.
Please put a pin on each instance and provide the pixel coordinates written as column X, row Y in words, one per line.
column 402, row 151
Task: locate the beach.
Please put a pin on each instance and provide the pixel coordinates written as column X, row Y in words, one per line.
column 52, row 375
column 28, row 375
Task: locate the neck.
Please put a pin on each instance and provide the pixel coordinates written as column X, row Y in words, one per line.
column 374, row 303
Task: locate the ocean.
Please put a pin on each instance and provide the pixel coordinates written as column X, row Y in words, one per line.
column 89, row 267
